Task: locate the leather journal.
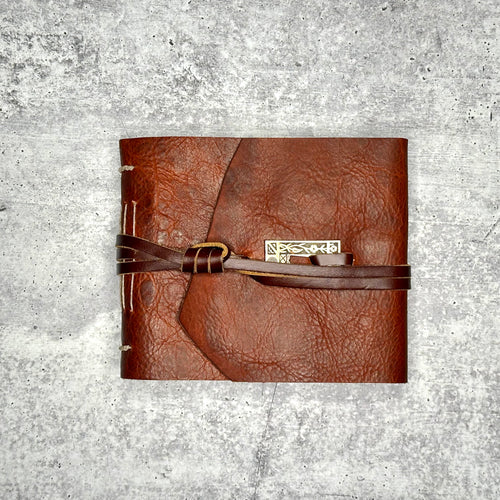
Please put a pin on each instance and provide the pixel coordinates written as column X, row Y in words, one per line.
column 264, row 259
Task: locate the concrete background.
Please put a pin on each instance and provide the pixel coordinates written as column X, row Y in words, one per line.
column 76, row 76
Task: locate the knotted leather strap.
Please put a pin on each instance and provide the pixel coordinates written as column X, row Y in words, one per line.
column 137, row 255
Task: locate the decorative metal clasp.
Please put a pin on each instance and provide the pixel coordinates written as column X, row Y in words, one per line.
column 281, row 250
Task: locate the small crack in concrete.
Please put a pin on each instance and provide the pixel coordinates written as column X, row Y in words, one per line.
column 491, row 230
column 261, row 452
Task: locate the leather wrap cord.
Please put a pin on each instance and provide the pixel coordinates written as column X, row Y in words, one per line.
column 137, row 255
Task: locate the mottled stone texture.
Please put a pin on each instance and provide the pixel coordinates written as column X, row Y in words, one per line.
column 78, row 75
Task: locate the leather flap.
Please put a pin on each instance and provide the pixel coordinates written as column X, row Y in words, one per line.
column 353, row 190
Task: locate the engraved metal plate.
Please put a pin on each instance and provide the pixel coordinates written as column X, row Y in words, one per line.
column 280, row 250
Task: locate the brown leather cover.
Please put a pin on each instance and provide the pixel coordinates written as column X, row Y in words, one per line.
column 178, row 191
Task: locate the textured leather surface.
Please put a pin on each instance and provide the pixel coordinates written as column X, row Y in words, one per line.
column 174, row 186
column 354, row 190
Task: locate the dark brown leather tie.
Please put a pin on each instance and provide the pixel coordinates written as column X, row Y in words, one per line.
column 215, row 257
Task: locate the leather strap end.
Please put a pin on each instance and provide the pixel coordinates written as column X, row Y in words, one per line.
column 333, row 259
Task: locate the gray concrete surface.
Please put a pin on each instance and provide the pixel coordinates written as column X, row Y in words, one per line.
column 76, row 77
